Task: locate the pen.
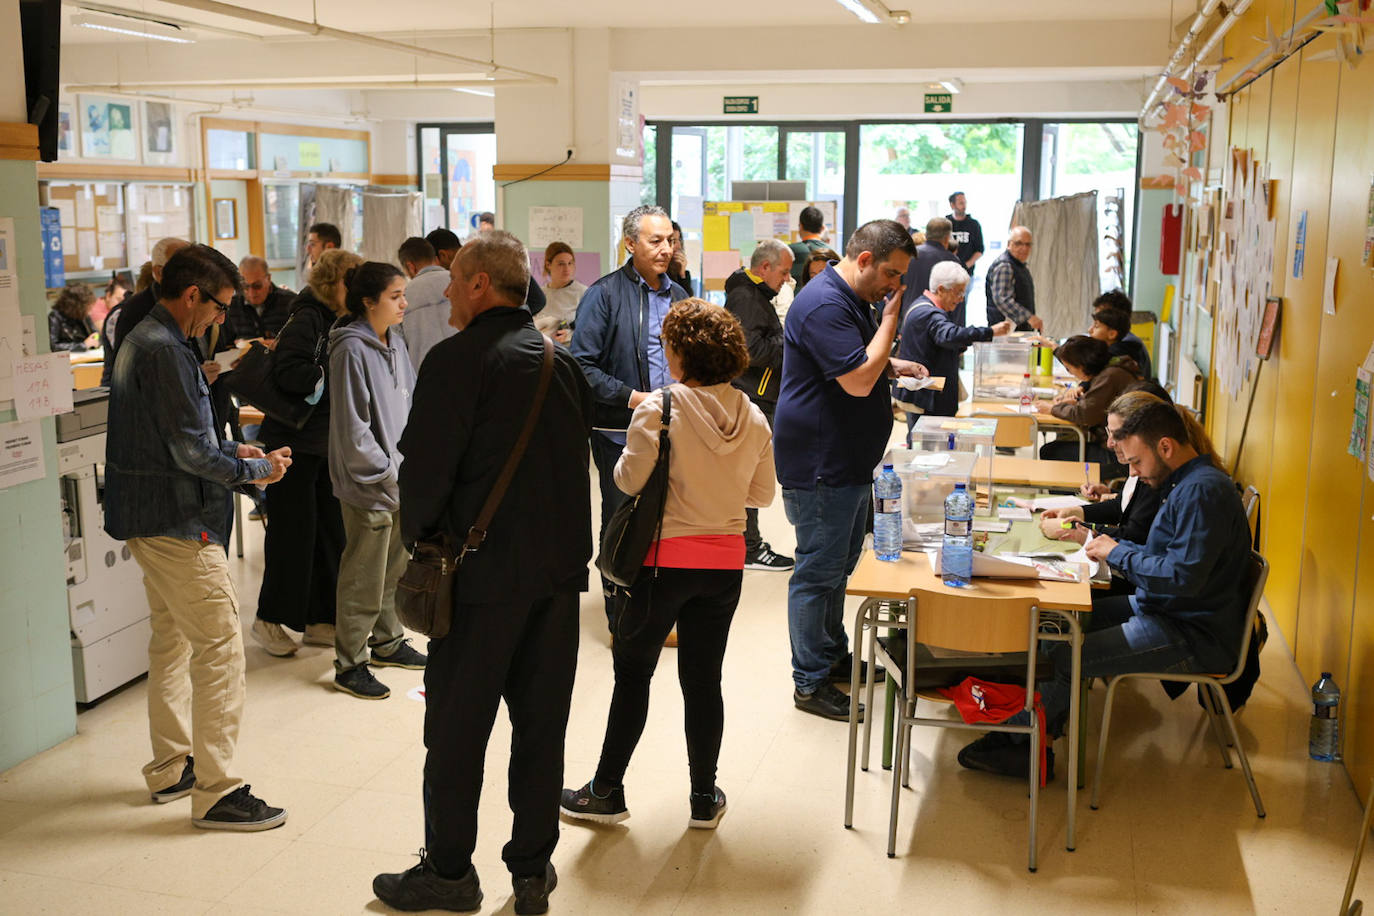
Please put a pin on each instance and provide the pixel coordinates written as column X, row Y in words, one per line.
column 1087, row 478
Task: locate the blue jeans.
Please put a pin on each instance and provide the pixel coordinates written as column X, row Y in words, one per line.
column 1118, row 640
column 830, row 523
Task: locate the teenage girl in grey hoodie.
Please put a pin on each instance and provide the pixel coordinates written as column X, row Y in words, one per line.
column 370, row 383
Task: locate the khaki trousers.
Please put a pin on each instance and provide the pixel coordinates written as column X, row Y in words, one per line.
column 195, row 665
column 365, row 605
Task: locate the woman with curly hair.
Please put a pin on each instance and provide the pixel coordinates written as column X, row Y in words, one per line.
column 69, row 320
column 722, row 455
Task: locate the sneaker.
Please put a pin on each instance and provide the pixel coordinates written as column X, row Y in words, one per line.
column 182, row 787
column 841, row 670
column 585, row 805
column 273, row 638
column 765, row 558
column 258, row 515
column 319, row 634
column 423, row 888
column 403, row 657
column 241, row 810
column 532, row 891
column 707, row 809
column 360, row 683
column 827, row 702
column 1003, row 754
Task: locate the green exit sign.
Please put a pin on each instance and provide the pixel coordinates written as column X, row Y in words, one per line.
column 939, row 103
column 741, row 104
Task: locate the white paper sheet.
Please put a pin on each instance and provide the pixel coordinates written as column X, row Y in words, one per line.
column 1333, row 266
column 555, row 224
column 42, row 385
column 21, row 453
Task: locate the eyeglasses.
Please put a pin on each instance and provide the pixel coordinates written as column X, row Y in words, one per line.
column 259, row 284
column 222, row 306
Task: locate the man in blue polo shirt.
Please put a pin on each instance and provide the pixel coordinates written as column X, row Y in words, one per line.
column 833, row 422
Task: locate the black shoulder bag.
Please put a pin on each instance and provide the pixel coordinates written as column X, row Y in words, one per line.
column 638, row 521
column 424, row 595
column 252, row 381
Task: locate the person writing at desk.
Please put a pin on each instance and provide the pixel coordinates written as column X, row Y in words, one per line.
column 1189, row 601
column 1102, row 378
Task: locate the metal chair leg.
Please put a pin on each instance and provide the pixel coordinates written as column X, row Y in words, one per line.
column 238, row 524
column 1225, row 704
column 1213, row 715
column 903, row 735
column 1102, row 740
column 1031, row 863
column 872, row 683
column 859, row 630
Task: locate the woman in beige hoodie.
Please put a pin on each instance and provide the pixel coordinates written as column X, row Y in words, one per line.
column 720, row 461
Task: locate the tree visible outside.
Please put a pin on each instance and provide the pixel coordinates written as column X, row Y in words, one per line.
column 745, row 153
column 1097, row 149
column 933, row 149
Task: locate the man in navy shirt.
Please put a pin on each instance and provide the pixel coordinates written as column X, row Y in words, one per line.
column 1189, row 603
column 833, row 421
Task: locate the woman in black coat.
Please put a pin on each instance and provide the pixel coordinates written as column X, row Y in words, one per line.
column 69, row 322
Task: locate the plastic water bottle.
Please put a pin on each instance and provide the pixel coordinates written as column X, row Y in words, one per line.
column 956, row 552
column 1323, row 737
column 1027, row 395
column 887, row 515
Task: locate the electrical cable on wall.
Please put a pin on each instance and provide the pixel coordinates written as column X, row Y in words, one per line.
column 566, row 160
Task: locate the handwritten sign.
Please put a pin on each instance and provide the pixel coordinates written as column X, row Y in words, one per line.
column 42, row 385
column 21, row 453
column 555, row 224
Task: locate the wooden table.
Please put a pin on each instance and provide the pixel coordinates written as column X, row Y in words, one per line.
column 991, row 605
column 1033, row 472
column 1003, row 408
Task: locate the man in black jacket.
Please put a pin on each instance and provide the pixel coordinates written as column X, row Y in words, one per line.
column 263, row 308
column 749, row 297
column 515, row 620
column 616, row 341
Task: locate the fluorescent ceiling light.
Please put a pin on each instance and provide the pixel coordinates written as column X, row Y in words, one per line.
column 952, row 85
column 486, row 92
column 128, row 25
column 860, row 9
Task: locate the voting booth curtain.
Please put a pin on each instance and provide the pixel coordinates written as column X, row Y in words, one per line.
column 1064, row 259
column 388, row 219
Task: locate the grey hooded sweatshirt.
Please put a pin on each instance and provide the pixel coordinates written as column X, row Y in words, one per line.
column 370, row 385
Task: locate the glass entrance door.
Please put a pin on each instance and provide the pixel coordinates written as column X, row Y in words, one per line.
column 816, row 157
column 456, row 162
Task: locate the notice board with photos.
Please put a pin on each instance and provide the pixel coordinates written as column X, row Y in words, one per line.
column 732, row 229
column 92, row 224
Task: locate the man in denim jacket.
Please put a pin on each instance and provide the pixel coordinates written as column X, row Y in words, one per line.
column 167, row 492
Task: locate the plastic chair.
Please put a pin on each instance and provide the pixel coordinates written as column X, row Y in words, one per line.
column 1250, row 501
column 1014, row 430
column 1217, row 707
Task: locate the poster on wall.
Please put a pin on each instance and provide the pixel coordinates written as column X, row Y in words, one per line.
column 107, row 128
column 159, row 131
column 66, row 129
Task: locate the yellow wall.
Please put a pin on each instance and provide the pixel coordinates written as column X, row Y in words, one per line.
column 1313, row 123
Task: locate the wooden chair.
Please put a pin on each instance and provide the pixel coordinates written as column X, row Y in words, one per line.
column 1217, row 707
column 1014, row 430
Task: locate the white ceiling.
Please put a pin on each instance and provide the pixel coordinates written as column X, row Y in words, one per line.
column 412, row 20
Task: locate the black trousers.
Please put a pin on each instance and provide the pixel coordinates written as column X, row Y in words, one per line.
column 525, row 653
column 752, row 539
column 305, row 539
column 701, row 602
column 605, row 454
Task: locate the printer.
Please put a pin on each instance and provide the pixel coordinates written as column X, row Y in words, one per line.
column 106, row 603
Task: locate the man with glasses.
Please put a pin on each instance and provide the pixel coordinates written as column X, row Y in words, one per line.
column 833, row 422
column 168, row 480
column 262, row 309
column 1010, row 288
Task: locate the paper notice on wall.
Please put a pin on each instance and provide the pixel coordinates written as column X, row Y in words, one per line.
column 85, row 247
column 10, row 327
column 29, row 335
column 1369, row 227
column 110, row 246
column 21, row 453
column 1333, row 265
column 715, row 233
column 1359, row 425
column 689, row 213
column 67, row 212
column 107, row 218
column 720, row 264
column 763, row 225
column 42, row 385
column 741, row 228
column 85, row 209
column 555, row 224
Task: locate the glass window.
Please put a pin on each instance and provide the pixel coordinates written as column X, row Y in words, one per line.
column 817, row 157
column 918, row 166
column 1097, row 157
column 471, row 189
column 281, row 222
column 287, row 153
column 707, row 159
column 229, row 149
column 431, row 178
column 648, row 185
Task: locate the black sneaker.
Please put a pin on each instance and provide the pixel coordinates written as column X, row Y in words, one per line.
column 585, row 805
column 707, row 809
column 827, row 702
column 241, row 810
column 360, row 683
column 403, row 657
column 1003, row 754
column 423, row 888
column 532, row 891
column 765, row 558
column 182, row 787
column 842, row 669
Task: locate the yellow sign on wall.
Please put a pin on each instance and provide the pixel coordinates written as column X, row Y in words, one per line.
column 310, row 157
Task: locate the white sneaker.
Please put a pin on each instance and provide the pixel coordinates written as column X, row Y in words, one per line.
column 273, row 638
column 319, row 634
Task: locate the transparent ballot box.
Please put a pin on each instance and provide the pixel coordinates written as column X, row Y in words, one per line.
column 970, row 434
column 999, row 367
column 927, row 478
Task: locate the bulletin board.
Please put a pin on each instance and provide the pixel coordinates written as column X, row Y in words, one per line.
column 92, row 218
column 156, row 211
column 732, row 229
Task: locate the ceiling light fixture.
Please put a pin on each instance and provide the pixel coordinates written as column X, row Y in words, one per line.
column 900, row 17
column 860, row 9
column 952, row 85
column 486, row 92
column 137, row 28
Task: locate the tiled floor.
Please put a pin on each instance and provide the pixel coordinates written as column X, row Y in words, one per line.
column 1176, row 832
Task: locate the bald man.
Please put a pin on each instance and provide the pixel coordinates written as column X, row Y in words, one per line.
column 133, row 309
column 1010, row 288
